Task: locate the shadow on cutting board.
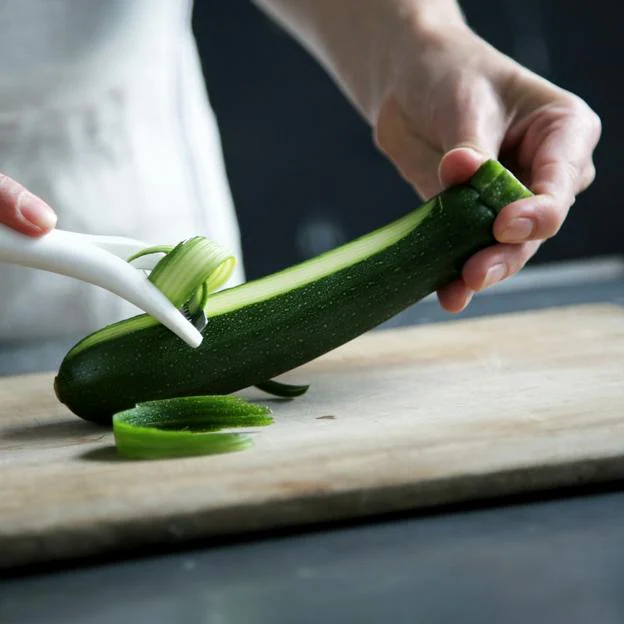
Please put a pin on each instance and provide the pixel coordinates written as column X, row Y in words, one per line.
column 68, row 431
column 64, row 433
column 104, row 454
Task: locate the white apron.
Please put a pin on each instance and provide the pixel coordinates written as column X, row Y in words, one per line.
column 104, row 114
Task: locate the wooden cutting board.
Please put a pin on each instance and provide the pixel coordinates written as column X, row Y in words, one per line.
column 397, row 419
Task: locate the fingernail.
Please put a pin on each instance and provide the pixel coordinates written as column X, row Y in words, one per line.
column 518, row 230
column 467, row 301
column 37, row 212
column 495, row 274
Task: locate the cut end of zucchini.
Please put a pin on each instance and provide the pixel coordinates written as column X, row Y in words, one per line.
column 497, row 186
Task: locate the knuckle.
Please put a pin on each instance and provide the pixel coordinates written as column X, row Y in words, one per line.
column 572, row 170
column 567, row 185
column 579, row 108
column 596, row 123
column 588, row 176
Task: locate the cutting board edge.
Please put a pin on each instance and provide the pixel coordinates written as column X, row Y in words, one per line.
column 250, row 521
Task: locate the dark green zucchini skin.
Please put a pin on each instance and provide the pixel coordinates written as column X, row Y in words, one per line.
column 265, row 339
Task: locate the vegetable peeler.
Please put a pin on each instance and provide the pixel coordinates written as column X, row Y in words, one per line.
column 98, row 260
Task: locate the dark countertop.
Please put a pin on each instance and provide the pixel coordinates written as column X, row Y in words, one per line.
column 556, row 560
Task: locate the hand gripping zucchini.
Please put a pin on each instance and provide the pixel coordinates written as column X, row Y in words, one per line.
column 269, row 326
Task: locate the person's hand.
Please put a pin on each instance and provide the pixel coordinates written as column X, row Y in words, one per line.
column 441, row 101
column 23, row 211
column 454, row 101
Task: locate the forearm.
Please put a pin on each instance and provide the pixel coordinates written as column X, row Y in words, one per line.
column 355, row 39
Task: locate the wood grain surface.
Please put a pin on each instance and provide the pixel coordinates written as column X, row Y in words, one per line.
column 397, row 419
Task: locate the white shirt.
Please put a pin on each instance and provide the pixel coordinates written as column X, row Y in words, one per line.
column 104, row 114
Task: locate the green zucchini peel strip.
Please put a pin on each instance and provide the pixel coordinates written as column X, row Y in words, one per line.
column 187, row 426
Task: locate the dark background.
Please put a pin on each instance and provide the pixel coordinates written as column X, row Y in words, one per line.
column 303, row 171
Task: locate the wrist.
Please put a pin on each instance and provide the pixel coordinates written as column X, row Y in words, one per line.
column 363, row 43
column 421, row 33
column 404, row 32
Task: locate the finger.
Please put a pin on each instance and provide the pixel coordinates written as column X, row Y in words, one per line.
column 496, row 263
column 454, row 297
column 23, row 211
column 564, row 152
column 416, row 160
column 559, row 157
column 473, row 132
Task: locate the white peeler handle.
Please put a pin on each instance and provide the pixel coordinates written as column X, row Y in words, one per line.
column 68, row 253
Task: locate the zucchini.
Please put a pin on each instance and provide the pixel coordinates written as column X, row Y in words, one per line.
column 269, row 326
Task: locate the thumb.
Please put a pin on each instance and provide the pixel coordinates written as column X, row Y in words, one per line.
column 473, row 133
column 23, row 211
column 459, row 164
